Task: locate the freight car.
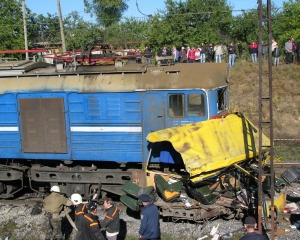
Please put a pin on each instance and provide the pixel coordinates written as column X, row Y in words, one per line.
column 84, row 128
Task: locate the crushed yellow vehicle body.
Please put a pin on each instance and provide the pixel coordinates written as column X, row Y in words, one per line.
column 210, row 146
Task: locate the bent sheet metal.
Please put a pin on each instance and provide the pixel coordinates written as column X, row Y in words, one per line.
column 207, row 147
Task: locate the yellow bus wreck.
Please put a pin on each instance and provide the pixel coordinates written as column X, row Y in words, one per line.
column 203, row 170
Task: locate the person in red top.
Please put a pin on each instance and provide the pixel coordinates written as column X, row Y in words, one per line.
column 191, row 55
column 253, row 49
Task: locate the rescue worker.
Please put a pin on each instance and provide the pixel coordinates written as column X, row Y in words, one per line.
column 90, row 226
column 149, row 228
column 250, row 225
column 111, row 219
column 80, row 211
column 53, row 204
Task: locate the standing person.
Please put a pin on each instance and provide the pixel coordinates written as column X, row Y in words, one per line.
column 138, row 58
column 253, row 49
column 187, row 54
column 182, row 55
column 288, row 51
column 149, row 228
column 250, row 225
column 197, row 55
column 274, row 43
column 264, row 49
column 218, row 53
column 175, row 54
column 294, row 49
column 211, row 52
column 53, row 205
column 276, row 54
column 80, row 211
column 164, row 52
column 232, row 54
column 147, row 54
column 111, row 219
column 191, row 55
column 240, row 49
column 90, row 227
column 202, row 53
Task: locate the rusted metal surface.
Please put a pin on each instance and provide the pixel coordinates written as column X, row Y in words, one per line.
column 111, row 79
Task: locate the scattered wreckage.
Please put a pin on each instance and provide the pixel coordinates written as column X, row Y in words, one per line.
column 205, row 170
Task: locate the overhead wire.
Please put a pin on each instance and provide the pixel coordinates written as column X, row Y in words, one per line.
column 134, row 17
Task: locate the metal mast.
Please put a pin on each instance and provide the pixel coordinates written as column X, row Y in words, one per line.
column 25, row 28
column 61, row 27
column 265, row 122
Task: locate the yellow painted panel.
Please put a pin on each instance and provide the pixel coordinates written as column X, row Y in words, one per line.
column 211, row 145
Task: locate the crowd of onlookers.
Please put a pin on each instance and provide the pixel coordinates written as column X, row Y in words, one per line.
column 217, row 53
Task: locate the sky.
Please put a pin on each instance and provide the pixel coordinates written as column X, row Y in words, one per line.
column 147, row 7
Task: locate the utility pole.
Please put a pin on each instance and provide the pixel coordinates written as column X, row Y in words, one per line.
column 61, row 27
column 25, row 28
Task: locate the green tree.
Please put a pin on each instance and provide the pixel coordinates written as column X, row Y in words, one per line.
column 190, row 23
column 107, row 12
column 286, row 23
column 129, row 30
column 245, row 27
column 11, row 24
column 44, row 29
column 79, row 32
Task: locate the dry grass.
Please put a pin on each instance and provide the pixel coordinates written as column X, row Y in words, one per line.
column 244, row 91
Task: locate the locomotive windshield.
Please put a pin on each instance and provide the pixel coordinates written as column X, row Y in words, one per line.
column 196, row 105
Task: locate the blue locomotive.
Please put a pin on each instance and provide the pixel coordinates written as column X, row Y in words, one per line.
column 85, row 129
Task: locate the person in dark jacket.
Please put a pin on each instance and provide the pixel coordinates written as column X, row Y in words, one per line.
column 80, row 211
column 240, row 48
column 111, row 219
column 147, row 54
column 203, row 52
column 211, row 52
column 90, row 227
column 276, row 54
column 182, row 55
column 149, row 228
column 250, row 225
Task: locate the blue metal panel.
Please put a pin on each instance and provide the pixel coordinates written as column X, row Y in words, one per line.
column 9, row 130
column 213, row 102
column 154, row 112
column 106, row 126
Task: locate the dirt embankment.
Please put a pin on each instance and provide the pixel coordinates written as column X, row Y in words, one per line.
column 244, row 92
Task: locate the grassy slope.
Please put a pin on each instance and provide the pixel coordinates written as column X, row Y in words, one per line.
column 244, row 90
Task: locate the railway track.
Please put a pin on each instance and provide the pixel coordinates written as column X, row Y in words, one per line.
column 22, row 208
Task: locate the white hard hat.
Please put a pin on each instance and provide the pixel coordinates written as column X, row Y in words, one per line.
column 76, row 198
column 55, row 189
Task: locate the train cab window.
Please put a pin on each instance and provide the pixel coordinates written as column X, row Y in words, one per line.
column 196, row 105
column 176, row 105
column 222, row 104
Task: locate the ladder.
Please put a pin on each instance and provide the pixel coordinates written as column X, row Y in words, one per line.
column 265, row 122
